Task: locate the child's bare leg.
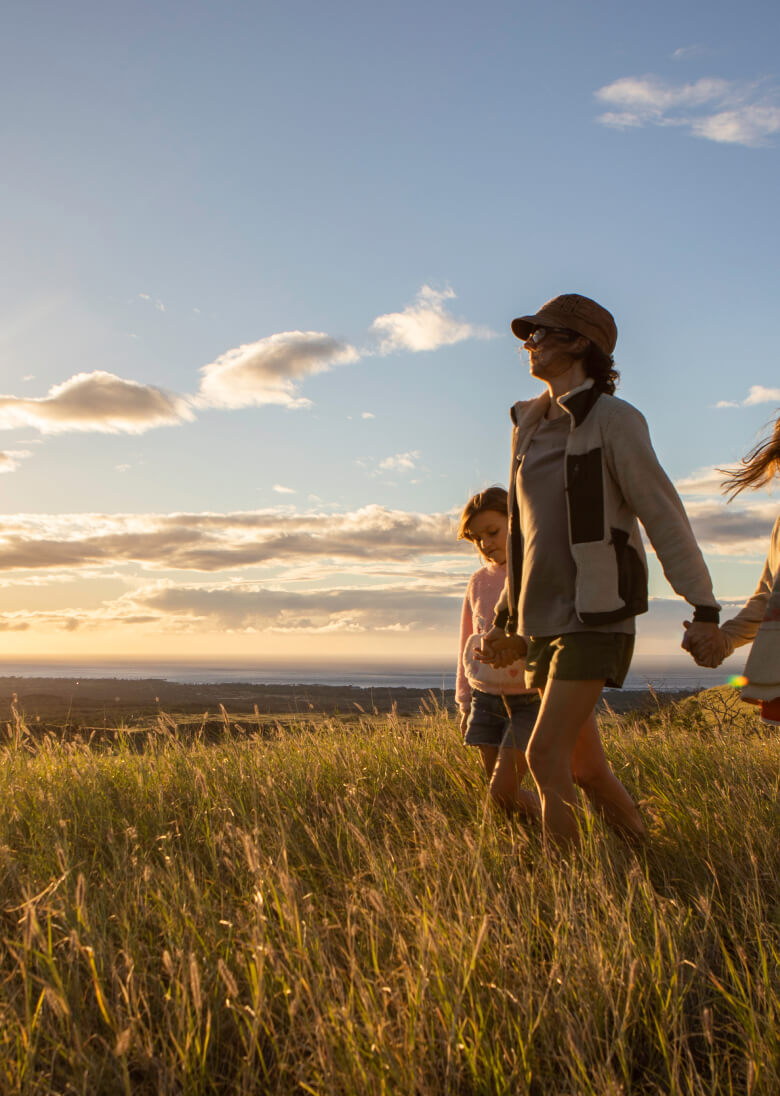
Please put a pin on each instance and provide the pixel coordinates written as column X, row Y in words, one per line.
column 505, row 789
column 489, row 755
column 590, row 769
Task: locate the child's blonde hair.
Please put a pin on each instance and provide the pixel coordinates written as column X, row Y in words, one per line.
column 492, row 498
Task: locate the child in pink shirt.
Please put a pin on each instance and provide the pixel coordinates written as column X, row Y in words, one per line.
column 497, row 711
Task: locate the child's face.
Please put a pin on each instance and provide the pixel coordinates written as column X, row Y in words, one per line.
column 488, row 531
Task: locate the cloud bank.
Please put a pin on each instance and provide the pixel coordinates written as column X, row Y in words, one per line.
column 216, row 542
column 712, row 108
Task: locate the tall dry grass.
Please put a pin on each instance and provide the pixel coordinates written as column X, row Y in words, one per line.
column 336, row 911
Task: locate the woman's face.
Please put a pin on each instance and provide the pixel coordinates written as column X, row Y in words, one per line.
column 552, row 352
column 488, row 531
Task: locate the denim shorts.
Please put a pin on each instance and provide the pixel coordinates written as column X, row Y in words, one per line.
column 501, row 721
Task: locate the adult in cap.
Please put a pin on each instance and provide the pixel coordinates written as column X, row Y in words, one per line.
column 583, row 475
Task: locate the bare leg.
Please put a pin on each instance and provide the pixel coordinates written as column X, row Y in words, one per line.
column 566, row 705
column 489, row 755
column 590, row 769
column 505, row 783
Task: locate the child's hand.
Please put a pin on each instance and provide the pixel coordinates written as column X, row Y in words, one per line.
column 708, row 644
column 464, row 718
column 500, row 650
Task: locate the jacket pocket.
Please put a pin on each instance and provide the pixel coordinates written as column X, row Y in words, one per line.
column 632, row 577
column 585, row 487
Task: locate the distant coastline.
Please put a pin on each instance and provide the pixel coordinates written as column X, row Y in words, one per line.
column 662, row 677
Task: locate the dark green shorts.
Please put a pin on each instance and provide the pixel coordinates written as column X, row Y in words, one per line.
column 579, row 656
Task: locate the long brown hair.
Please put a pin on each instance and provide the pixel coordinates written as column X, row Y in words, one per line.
column 492, row 498
column 757, row 467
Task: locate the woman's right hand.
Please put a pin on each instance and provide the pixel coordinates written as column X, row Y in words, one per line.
column 500, row 650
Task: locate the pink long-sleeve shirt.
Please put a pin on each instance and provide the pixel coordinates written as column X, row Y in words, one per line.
column 479, row 604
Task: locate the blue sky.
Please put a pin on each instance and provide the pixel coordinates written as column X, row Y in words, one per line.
column 260, row 261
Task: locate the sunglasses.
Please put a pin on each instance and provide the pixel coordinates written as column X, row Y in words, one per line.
column 540, row 333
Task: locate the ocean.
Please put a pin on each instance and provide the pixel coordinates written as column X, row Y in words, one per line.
column 659, row 676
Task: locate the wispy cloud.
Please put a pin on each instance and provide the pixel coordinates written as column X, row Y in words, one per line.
column 11, row 458
column 685, row 53
column 270, row 370
column 281, row 490
column 758, row 394
column 724, row 111
column 425, row 324
column 157, row 303
column 99, row 402
column 400, row 462
column 704, row 481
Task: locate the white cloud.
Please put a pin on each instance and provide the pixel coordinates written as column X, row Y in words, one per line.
column 11, row 458
column 713, row 108
column 270, row 370
column 704, row 481
column 759, row 394
column 424, row 325
column 97, row 401
column 280, row 490
column 401, row 462
column 748, row 125
column 368, row 415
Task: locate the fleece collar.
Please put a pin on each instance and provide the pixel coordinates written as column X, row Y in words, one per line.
column 577, row 403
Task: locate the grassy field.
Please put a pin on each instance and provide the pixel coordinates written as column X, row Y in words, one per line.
column 332, row 909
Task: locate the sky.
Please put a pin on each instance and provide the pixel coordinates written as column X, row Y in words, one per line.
column 260, row 261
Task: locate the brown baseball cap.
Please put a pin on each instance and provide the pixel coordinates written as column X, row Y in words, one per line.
column 576, row 313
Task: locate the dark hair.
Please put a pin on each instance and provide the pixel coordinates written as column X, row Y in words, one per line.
column 492, row 498
column 601, row 367
column 758, row 466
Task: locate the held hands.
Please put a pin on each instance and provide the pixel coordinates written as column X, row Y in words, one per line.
column 500, row 650
column 707, row 643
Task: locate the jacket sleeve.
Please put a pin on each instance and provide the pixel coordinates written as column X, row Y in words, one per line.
column 501, row 611
column 651, row 495
column 462, row 687
column 743, row 627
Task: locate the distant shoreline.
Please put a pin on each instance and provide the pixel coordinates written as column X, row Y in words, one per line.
column 109, row 700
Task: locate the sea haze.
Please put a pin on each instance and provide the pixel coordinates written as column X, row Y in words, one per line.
column 660, row 676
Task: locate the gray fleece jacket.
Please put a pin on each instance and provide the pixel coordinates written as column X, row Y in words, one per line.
column 612, row 478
